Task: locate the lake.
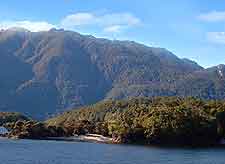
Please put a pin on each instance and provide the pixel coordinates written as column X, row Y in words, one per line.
column 59, row 152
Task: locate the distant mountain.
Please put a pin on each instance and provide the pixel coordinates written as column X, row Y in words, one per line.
column 47, row 72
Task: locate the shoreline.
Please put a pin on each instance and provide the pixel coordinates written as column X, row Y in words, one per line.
column 95, row 138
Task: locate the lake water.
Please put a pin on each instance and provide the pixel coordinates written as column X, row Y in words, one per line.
column 58, row 152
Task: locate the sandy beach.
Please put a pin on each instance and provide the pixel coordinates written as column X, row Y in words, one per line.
column 84, row 138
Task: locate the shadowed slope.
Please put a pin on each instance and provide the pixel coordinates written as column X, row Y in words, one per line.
column 46, row 72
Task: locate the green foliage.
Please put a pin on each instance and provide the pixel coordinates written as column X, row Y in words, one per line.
column 153, row 120
column 8, row 117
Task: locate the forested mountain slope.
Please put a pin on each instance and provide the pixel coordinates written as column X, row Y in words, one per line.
column 47, row 72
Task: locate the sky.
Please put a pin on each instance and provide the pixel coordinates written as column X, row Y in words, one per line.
column 193, row 29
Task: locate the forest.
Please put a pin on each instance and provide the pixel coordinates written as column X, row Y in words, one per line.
column 161, row 120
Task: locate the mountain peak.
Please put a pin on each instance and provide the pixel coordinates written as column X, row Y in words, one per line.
column 17, row 29
column 56, row 30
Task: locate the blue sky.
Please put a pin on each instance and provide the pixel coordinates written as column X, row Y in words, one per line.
column 192, row 29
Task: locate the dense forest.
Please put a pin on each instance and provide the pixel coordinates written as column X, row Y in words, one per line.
column 165, row 120
column 161, row 120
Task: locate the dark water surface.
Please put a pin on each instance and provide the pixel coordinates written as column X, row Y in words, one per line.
column 58, row 152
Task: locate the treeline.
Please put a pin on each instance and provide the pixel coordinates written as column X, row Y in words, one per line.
column 8, row 117
column 167, row 120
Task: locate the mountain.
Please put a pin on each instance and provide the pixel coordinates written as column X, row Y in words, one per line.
column 48, row 72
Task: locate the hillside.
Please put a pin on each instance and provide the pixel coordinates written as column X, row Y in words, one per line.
column 150, row 120
column 44, row 73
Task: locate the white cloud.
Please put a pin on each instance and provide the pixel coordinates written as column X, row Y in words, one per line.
column 29, row 25
column 125, row 19
column 216, row 37
column 113, row 29
column 214, row 16
column 108, row 22
column 78, row 20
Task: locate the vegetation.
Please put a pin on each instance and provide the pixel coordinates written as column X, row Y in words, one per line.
column 9, row 117
column 57, row 70
column 168, row 120
column 32, row 130
column 163, row 120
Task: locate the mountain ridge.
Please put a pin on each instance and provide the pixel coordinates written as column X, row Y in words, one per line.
column 54, row 70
